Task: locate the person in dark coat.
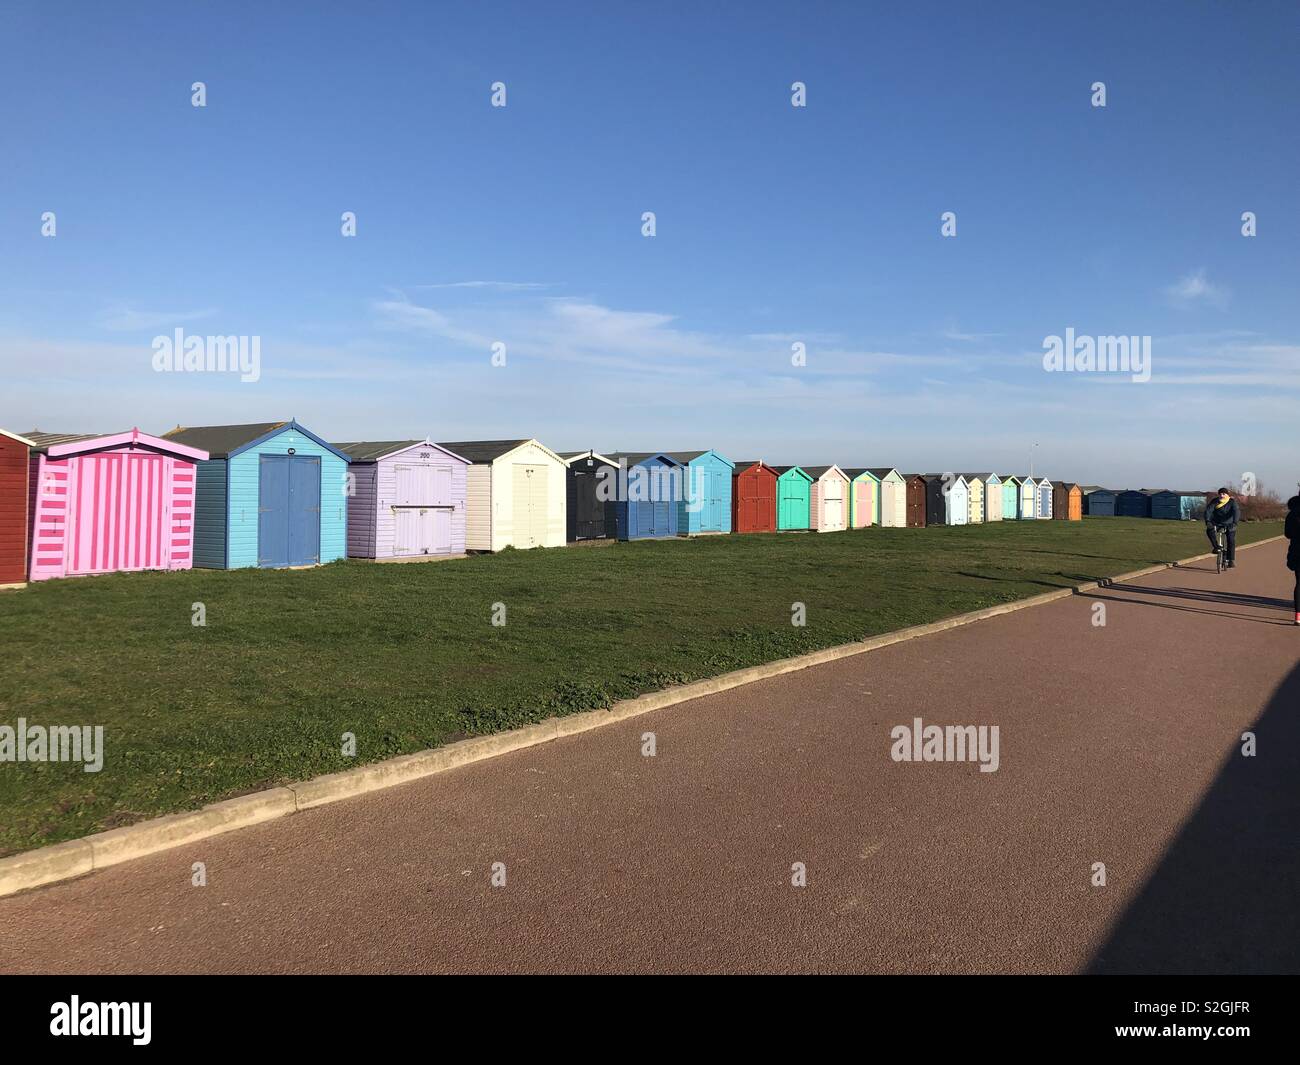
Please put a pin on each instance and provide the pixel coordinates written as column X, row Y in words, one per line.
column 1224, row 514
column 1292, row 530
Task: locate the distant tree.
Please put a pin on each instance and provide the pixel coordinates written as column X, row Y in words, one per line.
column 1264, row 505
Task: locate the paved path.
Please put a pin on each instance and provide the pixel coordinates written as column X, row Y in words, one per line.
column 1117, row 744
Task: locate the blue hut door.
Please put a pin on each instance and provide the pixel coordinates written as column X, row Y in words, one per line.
column 304, row 510
column 288, row 510
column 273, row 510
column 711, row 516
column 659, row 518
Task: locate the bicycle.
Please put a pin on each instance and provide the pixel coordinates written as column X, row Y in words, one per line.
column 1220, row 548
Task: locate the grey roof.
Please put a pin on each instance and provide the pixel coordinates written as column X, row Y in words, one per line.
column 786, row 469
column 854, row 471
column 482, row 450
column 43, row 440
column 634, row 457
column 371, row 450
column 741, row 467
column 815, row 471
column 881, row 471
column 220, row 440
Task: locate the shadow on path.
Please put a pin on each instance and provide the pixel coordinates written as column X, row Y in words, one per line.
column 1204, row 596
column 1224, row 897
column 1205, row 611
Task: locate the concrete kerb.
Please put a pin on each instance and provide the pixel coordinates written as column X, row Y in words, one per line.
column 66, row 861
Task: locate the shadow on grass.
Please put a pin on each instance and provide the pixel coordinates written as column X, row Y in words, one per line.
column 1009, row 580
column 1126, row 561
column 1223, row 899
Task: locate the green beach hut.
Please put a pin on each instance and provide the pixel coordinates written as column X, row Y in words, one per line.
column 793, row 498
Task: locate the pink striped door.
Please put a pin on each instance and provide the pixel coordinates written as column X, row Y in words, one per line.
column 119, row 520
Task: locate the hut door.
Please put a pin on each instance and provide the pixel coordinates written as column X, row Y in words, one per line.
column 916, row 505
column 304, row 510
column 590, row 516
column 422, row 530
column 288, row 510
column 789, row 500
column 440, row 531
column 273, row 510
column 750, row 510
column 867, row 504
column 713, row 501
column 529, row 498
column 122, row 517
column 832, row 505
column 421, row 486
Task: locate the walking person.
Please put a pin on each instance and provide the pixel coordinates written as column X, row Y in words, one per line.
column 1292, row 530
column 1224, row 513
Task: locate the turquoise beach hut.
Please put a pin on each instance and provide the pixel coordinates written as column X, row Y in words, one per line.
column 793, row 498
column 1010, row 497
column 706, row 506
column 272, row 494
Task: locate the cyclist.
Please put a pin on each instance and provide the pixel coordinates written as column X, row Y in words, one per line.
column 1292, row 530
column 1223, row 513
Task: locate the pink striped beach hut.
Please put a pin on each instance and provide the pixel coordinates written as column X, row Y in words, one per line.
column 104, row 504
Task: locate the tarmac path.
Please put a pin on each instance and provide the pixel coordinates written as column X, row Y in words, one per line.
column 1118, row 744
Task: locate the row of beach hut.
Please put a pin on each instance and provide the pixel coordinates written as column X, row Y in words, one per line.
column 1166, row 503
column 276, row 495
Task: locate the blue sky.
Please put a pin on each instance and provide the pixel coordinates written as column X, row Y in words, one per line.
column 775, row 224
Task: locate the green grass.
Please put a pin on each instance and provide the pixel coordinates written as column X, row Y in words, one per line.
column 405, row 656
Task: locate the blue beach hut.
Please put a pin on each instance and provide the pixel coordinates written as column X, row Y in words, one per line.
column 650, row 485
column 272, row 494
column 706, row 503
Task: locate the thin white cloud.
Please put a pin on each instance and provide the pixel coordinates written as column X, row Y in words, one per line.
column 1196, row 290
column 403, row 315
column 501, row 286
column 790, row 338
column 121, row 318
